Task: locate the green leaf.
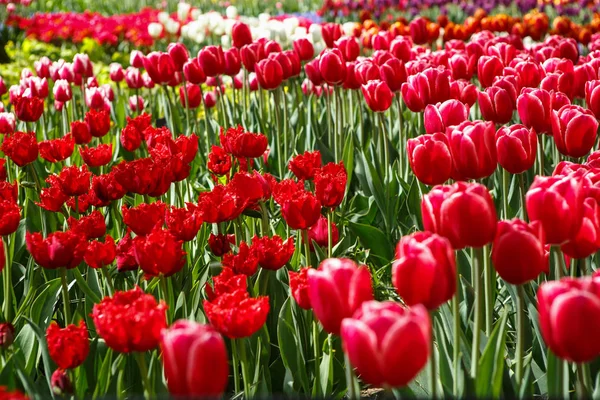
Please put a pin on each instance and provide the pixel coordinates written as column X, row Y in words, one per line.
column 488, row 382
column 43, row 305
column 373, row 239
column 44, row 350
column 290, row 347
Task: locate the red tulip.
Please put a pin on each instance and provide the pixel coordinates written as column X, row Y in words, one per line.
column 488, row 67
column 516, row 147
column 68, row 347
column 220, row 244
column 219, row 162
column 269, row 73
column 125, row 254
column 313, row 73
column 20, row 147
column 233, row 62
column 29, row 109
column 367, row 70
column 194, row 94
column 587, row 240
column 557, row 202
column 438, row 117
column 179, row 54
column 81, row 132
column 184, row 223
column 424, row 271
column 193, row 73
column 220, row 205
column 239, row 143
column 496, row 105
column 98, row 122
column 159, row 253
column 418, row 30
column 95, row 156
column 331, row 32
column 272, row 252
column 430, row 159
column 56, row 150
column 304, row 166
column 251, row 54
column 473, row 149
column 10, row 216
column 332, row 67
column 52, row 197
column 463, row 91
column 349, row 47
column 569, row 312
column 99, row 255
column 240, row 34
column 428, row 87
column 386, row 343
column 463, row 212
column 330, row 184
column 304, row 48
column 142, row 218
column 130, row 321
column 378, row 95
column 299, row 288
column 212, row 60
column 393, row 72
column 592, row 97
column 462, row 66
column 74, row 181
column 530, row 73
column 518, row 251
column 7, row 334
column 61, row 383
column 195, row 360
column 210, row 99
column 574, row 129
column 159, row 66
column 236, row 314
column 58, row 250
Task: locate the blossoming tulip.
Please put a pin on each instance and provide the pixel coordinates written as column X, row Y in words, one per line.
column 269, row 73
column 212, row 60
column 430, row 159
column 574, row 129
column 496, row 105
column 386, row 343
column 378, row 95
column 516, row 147
column 428, row 87
column 488, row 67
column 68, row 347
column 393, row 72
column 473, row 150
column 304, row 48
column 438, row 117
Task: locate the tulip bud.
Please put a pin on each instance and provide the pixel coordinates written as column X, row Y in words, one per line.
column 319, row 234
column 240, row 34
column 393, row 72
column 332, row 67
column 212, row 60
column 193, row 73
column 60, row 382
column 233, row 63
column 136, row 103
column 535, row 109
column 488, row 68
column 7, row 122
column 592, row 97
column 7, row 335
column 116, row 72
column 378, row 95
column 269, row 73
column 331, row 32
column 304, row 48
column 194, row 95
column 430, row 159
column 473, row 149
column 439, row 117
column 574, row 129
column 496, row 105
column 210, row 99
column 136, row 59
column 179, row 54
column 587, row 240
column 516, row 147
column 349, row 48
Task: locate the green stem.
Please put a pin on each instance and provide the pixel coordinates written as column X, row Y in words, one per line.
column 329, row 236
column 317, row 352
column 432, row 370
column 505, row 178
column 140, row 358
column 109, row 283
column 284, row 124
column 541, row 156
column 523, row 194
column 385, row 143
column 583, row 266
column 477, row 267
column 277, row 133
column 8, row 288
column 520, row 335
column 236, row 367
column 456, row 337
column 187, row 106
column 65, row 294
column 489, row 288
column 350, row 380
column 165, row 295
column 304, row 234
column 264, row 220
column 245, row 372
column 401, row 146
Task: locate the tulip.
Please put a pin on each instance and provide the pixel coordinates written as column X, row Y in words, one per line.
column 136, row 104
column 386, row 343
column 7, row 335
column 378, row 95
column 393, row 72
column 535, row 109
column 299, row 288
column 330, row 184
column 587, row 240
column 462, row 66
column 285, row 62
column 366, row 71
column 424, row 271
column 304, row 48
column 62, row 91
column 518, row 251
column 7, row 122
column 251, row 54
column 61, row 383
column 592, row 97
column 305, row 166
column 212, row 60
column 272, row 252
column 332, row 67
column 20, row 147
column 401, row 47
column 428, row 87
column 220, row 244
column 313, row 73
column 159, row 253
column 438, row 117
column 418, row 30
column 116, row 72
column 473, row 149
column 142, row 218
column 269, row 74
column 68, row 347
column 74, row 181
column 336, row 290
column 193, row 73
column 430, row 159
column 530, row 73
column 463, row 91
column 233, row 63
column 159, row 66
column 59, row 249
column 210, row 99
column 195, row 360
column 557, row 202
column 348, row 47
column 331, row 32
column 319, row 234
column 574, row 129
column 240, row 34
column 463, row 212
column 194, row 94
column 179, row 54
column 488, row 67
column 29, row 109
column 496, row 105
column 516, row 147
column 569, row 312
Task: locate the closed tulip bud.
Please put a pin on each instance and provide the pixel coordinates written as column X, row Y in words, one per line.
column 393, row 72
column 349, row 47
column 516, row 147
column 240, row 34
column 381, row 56
column 7, row 335
column 535, row 109
column 116, row 72
column 212, row 60
column 160, row 67
column 473, row 149
column 424, row 271
column 569, row 312
column 366, row 71
column 463, row 91
column 574, row 129
column 61, row 383
column 62, row 91
column 133, row 78
column 304, row 48
column 195, row 360
column 401, row 47
column 462, row 212
column 430, row 159
column 488, row 67
column 440, row 116
column 210, row 99
column 332, row 67
column 271, row 46
column 557, row 202
column 285, row 62
column 518, row 251
column 269, row 73
column 193, row 73
column 592, row 97
column 418, row 30
column 336, row 290
column 331, row 32
column 319, row 234
column 378, row 95
column 251, row 54
column 387, row 343
column 313, row 73
column 194, row 96
column 587, row 240
column 496, row 105
column 82, row 65
column 179, row 54
column 233, row 63
column 136, row 103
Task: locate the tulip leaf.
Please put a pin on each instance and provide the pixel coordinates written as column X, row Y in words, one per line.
column 43, row 305
column 488, row 382
column 290, row 347
column 43, row 349
column 375, row 240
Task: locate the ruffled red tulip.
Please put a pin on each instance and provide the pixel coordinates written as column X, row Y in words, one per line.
column 378, row 95
column 516, row 147
column 21, row 148
column 220, row 205
column 336, row 290
column 269, row 73
column 239, row 143
column 52, row 198
column 212, row 60
column 81, row 132
column 387, row 343
column 10, row 216
column 184, row 223
column 319, row 234
column 29, row 109
column 496, row 105
column 462, row 212
column 569, row 312
column 74, row 181
column 272, row 252
column 58, row 250
column 142, row 218
column 332, row 67
column 99, row 255
column 125, row 254
column 68, row 347
column 574, row 129
column 98, row 122
column 219, row 162
column 195, row 360
column 557, row 202
column 299, row 288
column 330, row 184
column 236, row 314
column 424, row 271
column 473, row 149
column 304, row 166
column 130, row 321
column 96, row 156
column 220, row 244
column 159, row 253
column 518, row 251
column 438, row 117
column 56, row 150
column 226, row 282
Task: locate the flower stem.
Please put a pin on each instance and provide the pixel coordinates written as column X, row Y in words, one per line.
column 432, row 371
column 477, row 267
column 317, row 351
column 65, row 294
column 520, row 335
column 245, row 373
column 489, row 288
column 8, row 289
column 505, row 178
column 350, row 380
column 523, row 194
column 236, row 367
column 141, row 362
column 329, row 237
column 306, row 247
column 109, row 283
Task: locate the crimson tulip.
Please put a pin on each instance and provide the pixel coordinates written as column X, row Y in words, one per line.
column 574, row 129
column 587, row 240
column 212, row 60
column 430, row 158
column 393, row 72
column 68, row 347
column 473, row 149
column 516, row 147
column 332, row 67
column 304, row 48
column 496, row 105
column 488, row 67
column 440, row 116
column 378, row 95
column 269, row 73
column 592, row 97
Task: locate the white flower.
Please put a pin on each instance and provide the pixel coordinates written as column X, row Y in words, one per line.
column 315, row 31
column 155, row 29
column 195, row 13
column 163, row 17
column 183, row 10
column 172, row 26
column 264, row 17
column 231, row 12
column 348, row 28
column 226, row 41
